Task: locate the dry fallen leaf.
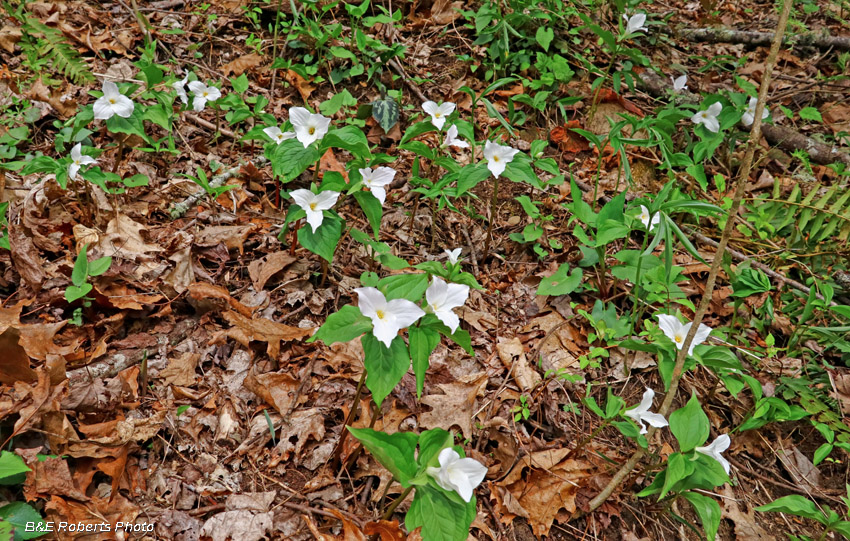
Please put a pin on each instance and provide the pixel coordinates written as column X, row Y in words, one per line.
column 512, row 354
column 264, row 330
column 242, row 64
column 181, row 371
column 262, row 270
column 456, row 407
column 242, row 525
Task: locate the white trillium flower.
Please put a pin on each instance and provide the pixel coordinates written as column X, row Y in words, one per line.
column 708, row 117
column 278, row 136
column 438, row 112
column 388, row 317
column 644, row 218
column 641, row 413
column 680, row 83
column 179, row 88
column 453, row 255
column 203, row 94
column 452, row 140
column 314, row 204
column 498, row 157
column 676, row 331
column 720, row 444
column 78, row 159
column 112, row 103
column 377, row 180
column 750, row 113
column 635, row 22
column 443, row 298
column 309, row 127
column 457, row 474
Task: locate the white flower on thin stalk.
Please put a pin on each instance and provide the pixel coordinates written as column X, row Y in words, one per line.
column 438, row 112
column 278, row 136
column 498, row 157
column 377, row 180
column 453, row 255
column 641, row 414
column 309, row 127
column 202, row 94
column 644, row 218
column 78, row 159
column 179, row 88
column 680, row 83
column 388, row 317
column 676, row 331
column 720, row 444
column 443, row 298
column 634, row 23
column 314, row 204
column 750, row 113
column 708, row 117
column 112, row 103
column 452, row 140
column 457, row 474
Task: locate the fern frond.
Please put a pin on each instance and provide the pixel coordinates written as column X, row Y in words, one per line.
column 65, row 58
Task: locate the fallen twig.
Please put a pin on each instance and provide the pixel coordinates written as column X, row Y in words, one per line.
column 179, row 209
column 410, row 84
column 209, row 125
column 746, row 37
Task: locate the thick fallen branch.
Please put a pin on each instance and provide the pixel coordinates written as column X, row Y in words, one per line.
column 179, row 209
column 787, row 139
column 726, row 35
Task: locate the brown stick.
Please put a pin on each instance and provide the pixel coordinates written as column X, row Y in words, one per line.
column 726, row 35
column 743, row 176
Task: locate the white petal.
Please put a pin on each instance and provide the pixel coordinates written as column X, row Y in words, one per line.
column 385, row 330
column 123, row 106
column 302, row 198
column 322, row 124
column 644, row 216
column 73, row 169
column 669, row 325
column 77, row 152
column 497, row 167
column 447, row 108
column 370, row 300
column 490, row 149
column 197, row 87
column 199, row 103
column 698, row 118
column 430, row 107
column 721, row 443
column 448, row 455
column 326, row 200
column 453, row 255
column 110, row 90
column 456, row 295
column 213, row 93
column 379, row 193
column 507, row 153
column 273, row 132
column 474, row 470
column 86, row 160
column 404, row 312
column 303, row 134
column 103, row 109
column 436, row 292
column 299, row 117
column 464, row 488
column 655, row 419
column 438, row 122
column 680, row 83
column 448, row 318
column 715, row 108
column 702, row 333
column 712, row 124
column 646, row 401
column 459, row 143
column 314, row 218
column 382, row 176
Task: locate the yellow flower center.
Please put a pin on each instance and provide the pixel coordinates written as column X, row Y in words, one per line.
column 312, row 206
column 206, row 94
column 380, row 314
column 312, row 130
column 438, row 115
column 77, row 162
column 705, row 115
column 495, row 158
column 678, row 339
column 434, row 307
column 112, row 101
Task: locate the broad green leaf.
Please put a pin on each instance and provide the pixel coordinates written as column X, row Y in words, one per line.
column 794, row 505
column 560, row 283
column 385, row 112
column 384, row 366
column 423, row 340
column 821, row 453
column 99, row 266
column 810, row 113
column 396, row 452
column 675, row 472
column 372, row 209
column 415, row 130
column 73, row 293
column 11, row 465
column 18, row 514
column 81, row 267
column 441, row 517
column 690, row 425
column 350, row 138
column 343, row 326
column 323, row 242
column 709, row 513
column 289, row 159
column 470, row 176
column 404, row 286
column 431, row 442
column 544, row 37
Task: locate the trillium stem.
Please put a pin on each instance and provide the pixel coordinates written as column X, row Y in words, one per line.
column 396, row 502
column 743, row 176
column 493, row 202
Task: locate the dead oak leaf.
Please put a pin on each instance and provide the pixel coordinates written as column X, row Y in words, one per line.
column 298, row 429
column 262, row 270
column 124, row 237
column 263, row 330
column 275, row 388
column 240, row 524
column 456, row 407
column 181, row 371
column 242, row 64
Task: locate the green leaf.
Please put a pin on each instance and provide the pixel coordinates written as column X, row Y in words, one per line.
column 396, row 452
column 470, row 176
column 821, row 453
column 18, row 514
column 709, row 513
column 384, row 366
column 415, row 130
column 73, row 293
column 423, row 340
column 385, row 112
column 323, row 242
column 11, row 465
column 372, row 209
column 690, row 425
column 810, row 113
column 431, row 442
column 131, row 125
column 404, row 286
column 350, row 138
column 99, row 266
column 544, row 37
column 794, row 505
column 719, row 358
column 343, row 326
column 81, row 268
column 289, row 159
column 441, row 517
column 559, row 283
column 677, row 469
